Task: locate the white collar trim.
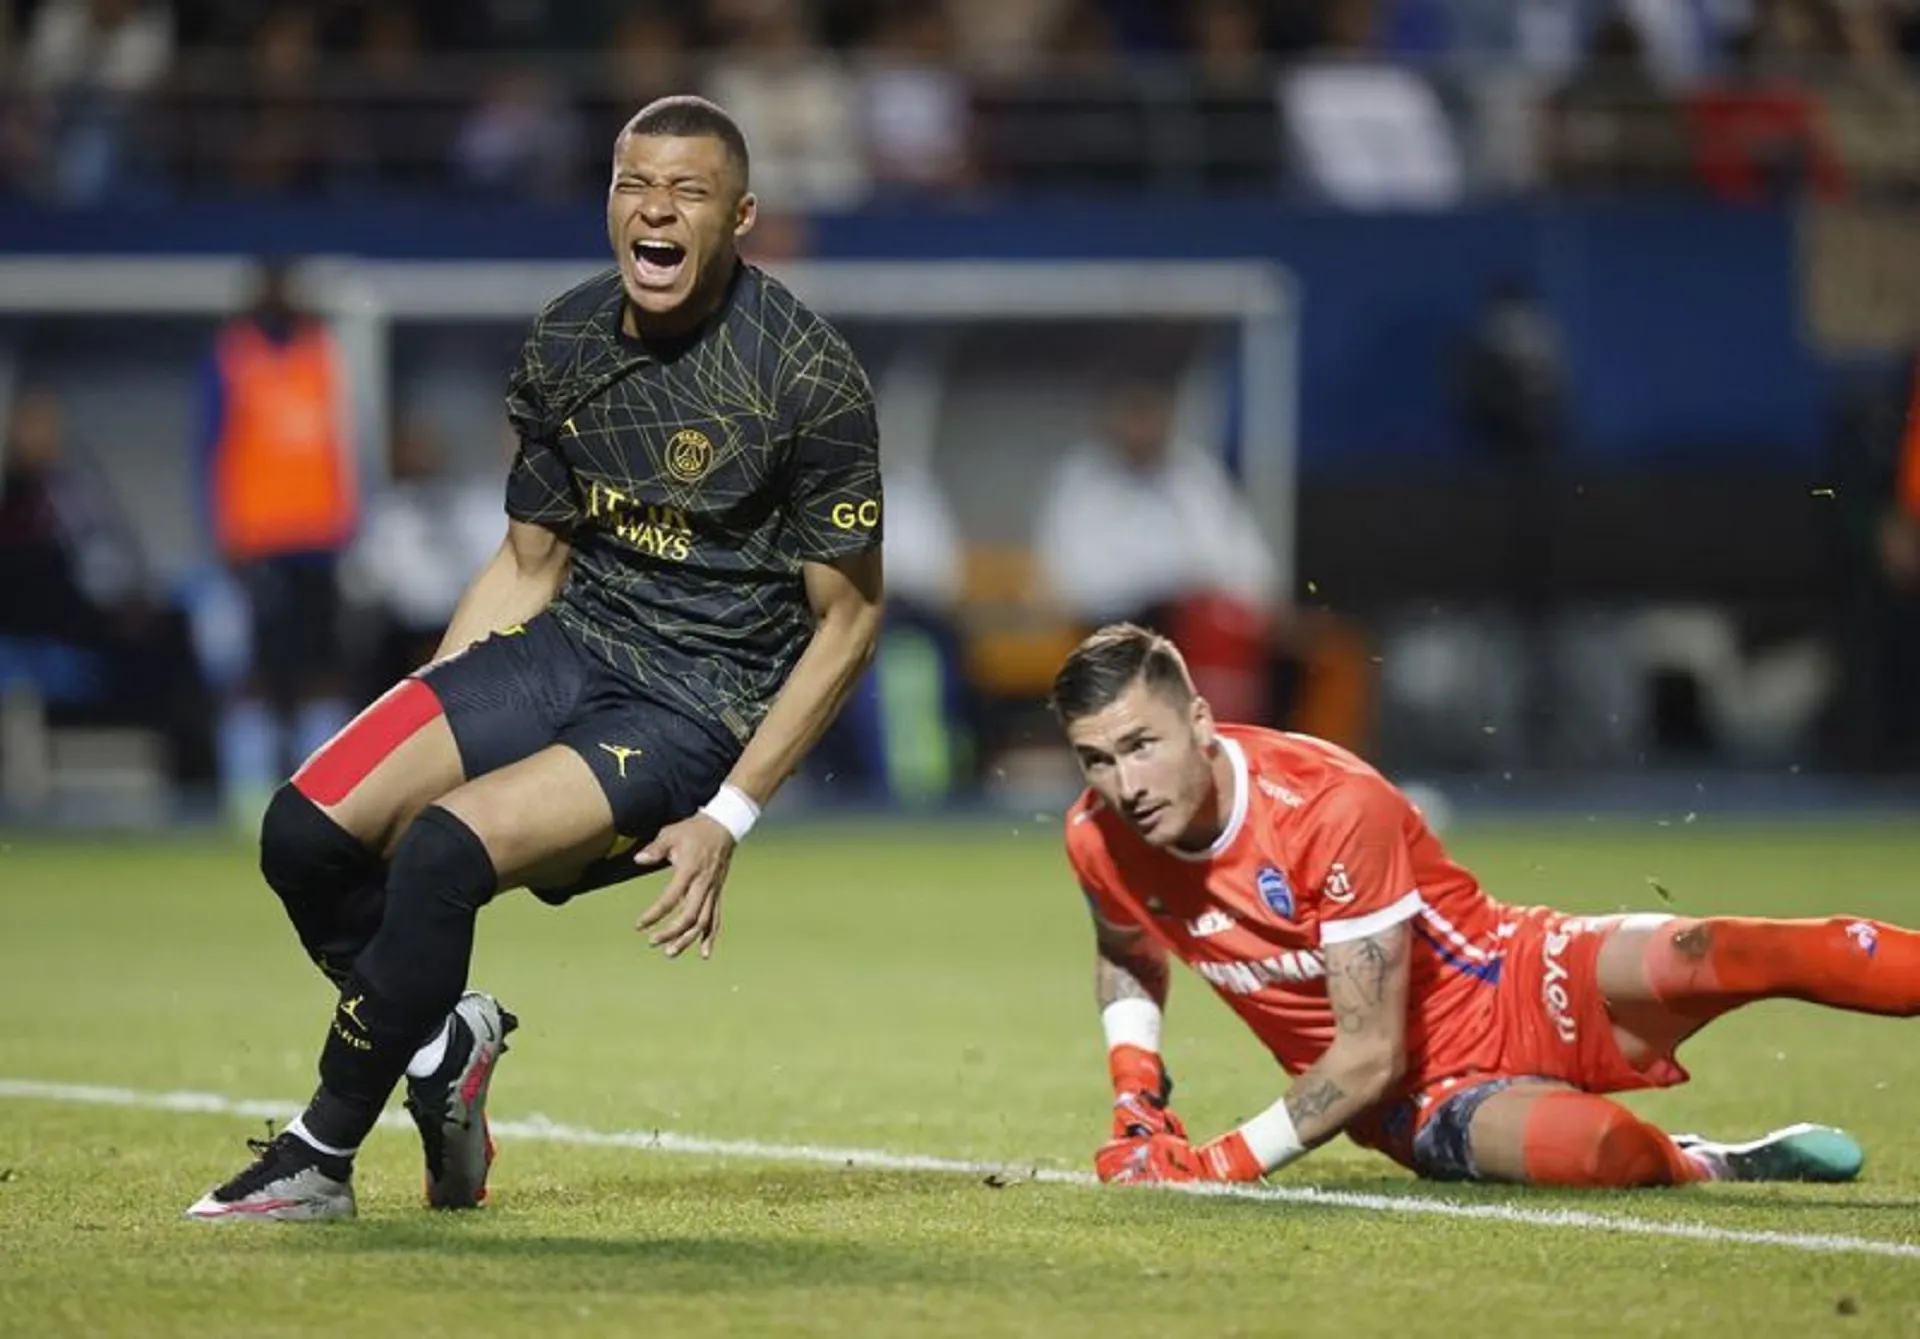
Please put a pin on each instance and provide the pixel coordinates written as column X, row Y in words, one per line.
column 1237, row 814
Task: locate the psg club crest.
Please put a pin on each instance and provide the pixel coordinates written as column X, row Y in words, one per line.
column 1275, row 891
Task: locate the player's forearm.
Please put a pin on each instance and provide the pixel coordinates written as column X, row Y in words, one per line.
column 1130, row 976
column 1341, row 1084
column 518, row 582
column 824, row 677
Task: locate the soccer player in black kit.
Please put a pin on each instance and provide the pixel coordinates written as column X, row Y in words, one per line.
column 689, row 588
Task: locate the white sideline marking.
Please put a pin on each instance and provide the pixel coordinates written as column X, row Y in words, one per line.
column 867, row 1159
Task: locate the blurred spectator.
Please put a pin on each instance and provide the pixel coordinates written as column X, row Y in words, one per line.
column 1367, row 134
column 1511, row 378
column 288, row 133
column 646, row 56
column 74, row 564
column 914, row 103
column 426, row 534
column 1077, row 120
column 77, row 614
column 391, row 138
column 1761, row 134
column 1140, row 524
column 1184, row 525
column 797, row 107
column 1612, row 126
column 1682, row 38
column 521, row 140
column 279, row 491
column 1239, row 140
column 997, row 38
column 91, row 64
column 1543, row 36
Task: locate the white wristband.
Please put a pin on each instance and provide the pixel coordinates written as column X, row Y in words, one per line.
column 1271, row 1137
column 1132, row 1022
column 733, row 809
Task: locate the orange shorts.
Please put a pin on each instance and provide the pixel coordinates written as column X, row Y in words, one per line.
column 1553, row 1024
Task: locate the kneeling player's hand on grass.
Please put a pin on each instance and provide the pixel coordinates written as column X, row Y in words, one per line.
column 1154, row 1160
column 1166, row 1158
column 688, row 911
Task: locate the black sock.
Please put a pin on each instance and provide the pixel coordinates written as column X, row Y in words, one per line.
column 407, row 979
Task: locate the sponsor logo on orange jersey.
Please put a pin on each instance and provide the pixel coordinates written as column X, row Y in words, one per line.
column 1553, row 987
column 1212, row 921
column 1249, row 978
column 1275, row 891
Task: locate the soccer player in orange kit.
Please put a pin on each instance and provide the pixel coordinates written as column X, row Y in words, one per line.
column 1464, row 1038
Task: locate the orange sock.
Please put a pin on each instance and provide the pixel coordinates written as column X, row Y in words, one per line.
column 1583, row 1141
column 1706, row 967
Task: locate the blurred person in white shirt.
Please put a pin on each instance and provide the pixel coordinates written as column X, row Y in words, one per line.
column 1141, row 524
column 1137, row 517
column 424, row 537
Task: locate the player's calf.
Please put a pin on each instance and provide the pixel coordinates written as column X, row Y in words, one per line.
column 1553, row 1136
column 1584, row 1141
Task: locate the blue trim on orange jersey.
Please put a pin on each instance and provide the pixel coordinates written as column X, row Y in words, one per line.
column 1487, row 973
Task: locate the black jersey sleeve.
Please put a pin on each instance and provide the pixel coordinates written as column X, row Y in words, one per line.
column 835, row 499
column 539, row 487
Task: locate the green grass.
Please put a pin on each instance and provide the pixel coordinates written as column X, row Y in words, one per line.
column 919, row 990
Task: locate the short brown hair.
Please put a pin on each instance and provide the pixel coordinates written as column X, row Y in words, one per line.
column 1110, row 661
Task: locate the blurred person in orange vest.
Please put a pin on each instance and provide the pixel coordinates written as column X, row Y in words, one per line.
column 280, row 503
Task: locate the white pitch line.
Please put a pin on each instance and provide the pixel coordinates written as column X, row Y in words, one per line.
column 539, row 1128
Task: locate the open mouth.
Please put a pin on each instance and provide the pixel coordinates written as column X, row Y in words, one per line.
column 657, row 262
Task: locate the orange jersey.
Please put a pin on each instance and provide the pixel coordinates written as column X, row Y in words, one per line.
column 1318, row 848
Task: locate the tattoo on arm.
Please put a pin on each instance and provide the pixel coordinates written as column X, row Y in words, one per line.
column 1361, row 975
column 1129, row 966
column 1367, row 991
column 1136, row 978
column 1312, row 1098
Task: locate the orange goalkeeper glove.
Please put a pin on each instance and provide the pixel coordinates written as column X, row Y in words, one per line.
column 1165, row 1159
column 1141, row 1090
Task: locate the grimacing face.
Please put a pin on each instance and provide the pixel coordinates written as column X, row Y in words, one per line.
column 1150, row 757
column 675, row 209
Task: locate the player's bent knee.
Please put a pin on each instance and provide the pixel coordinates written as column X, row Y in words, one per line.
column 331, row 885
column 442, row 858
column 1579, row 1140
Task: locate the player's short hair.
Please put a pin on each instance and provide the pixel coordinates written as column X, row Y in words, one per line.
column 684, row 116
column 1109, row 662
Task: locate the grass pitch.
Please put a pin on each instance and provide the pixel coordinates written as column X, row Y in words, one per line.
column 907, row 989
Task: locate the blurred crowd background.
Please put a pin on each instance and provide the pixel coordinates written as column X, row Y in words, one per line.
column 1366, row 103
column 1592, row 481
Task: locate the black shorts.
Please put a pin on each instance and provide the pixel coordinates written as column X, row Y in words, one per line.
column 294, row 602
column 513, row 694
